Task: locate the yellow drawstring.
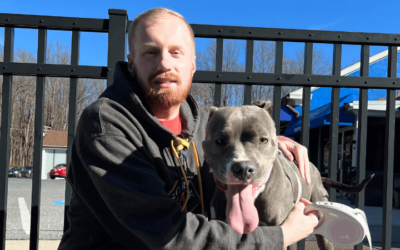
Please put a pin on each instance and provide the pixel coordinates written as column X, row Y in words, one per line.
column 185, row 144
column 196, row 157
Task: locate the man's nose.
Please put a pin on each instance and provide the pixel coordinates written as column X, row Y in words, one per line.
column 164, row 63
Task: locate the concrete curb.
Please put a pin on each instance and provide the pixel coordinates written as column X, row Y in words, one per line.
column 312, row 245
column 53, row 245
column 24, row 244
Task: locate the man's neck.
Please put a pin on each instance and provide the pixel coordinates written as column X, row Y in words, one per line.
column 165, row 114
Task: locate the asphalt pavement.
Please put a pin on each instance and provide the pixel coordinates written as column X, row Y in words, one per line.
column 52, row 216
column 19, row 209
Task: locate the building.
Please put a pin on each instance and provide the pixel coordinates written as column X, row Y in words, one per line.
column 348, row 119
column 54, row 151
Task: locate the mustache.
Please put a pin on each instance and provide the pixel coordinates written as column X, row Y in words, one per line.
column 161, row 75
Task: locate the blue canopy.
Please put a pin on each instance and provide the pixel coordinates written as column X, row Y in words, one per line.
column 286, row 114
column 322, row 116
column 320, row 102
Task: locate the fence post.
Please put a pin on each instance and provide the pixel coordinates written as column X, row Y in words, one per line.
column 305, row 115
column 5, row 133
column 249, row 68
column 218, row 68
column 73, row 96
column 116, row 40
column 38, row 143
column 277, row 88
column 362, row 132
column 388, row 166
column 334, row 127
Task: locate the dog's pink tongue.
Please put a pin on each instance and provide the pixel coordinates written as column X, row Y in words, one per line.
column 240, row 211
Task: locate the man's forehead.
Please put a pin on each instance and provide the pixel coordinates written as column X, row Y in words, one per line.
column 158, row 20
column 174, row 25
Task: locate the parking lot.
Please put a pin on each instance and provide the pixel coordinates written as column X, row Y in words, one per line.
column 19, row 207
column 52, row 212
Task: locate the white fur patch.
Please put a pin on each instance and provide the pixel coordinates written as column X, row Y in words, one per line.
column 240, row 156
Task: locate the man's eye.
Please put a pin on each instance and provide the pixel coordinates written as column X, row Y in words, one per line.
column 150, row 52
column 176, row 52
column 263, row 141
column 220, row 141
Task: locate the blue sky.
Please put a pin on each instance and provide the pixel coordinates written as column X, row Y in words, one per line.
column 339, row 15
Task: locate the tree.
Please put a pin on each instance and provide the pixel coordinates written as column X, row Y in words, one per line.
column 263, row 62
column 56, row 102
column 206, row 60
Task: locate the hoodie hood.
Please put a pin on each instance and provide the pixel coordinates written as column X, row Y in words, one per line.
column 126, row 91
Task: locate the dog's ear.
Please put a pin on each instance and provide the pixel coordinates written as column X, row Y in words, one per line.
column 211, row 113
column 267, row 105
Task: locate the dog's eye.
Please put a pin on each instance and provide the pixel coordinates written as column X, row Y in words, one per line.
column 263, row 141
column 220, row 141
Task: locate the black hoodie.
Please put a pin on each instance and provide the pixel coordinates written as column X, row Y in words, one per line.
column 126, row 182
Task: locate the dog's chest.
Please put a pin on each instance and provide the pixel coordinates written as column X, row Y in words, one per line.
column 277, row 197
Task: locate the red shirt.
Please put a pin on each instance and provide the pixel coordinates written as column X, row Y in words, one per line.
column 174, row 125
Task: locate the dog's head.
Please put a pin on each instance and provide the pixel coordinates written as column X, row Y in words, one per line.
column 241, row 143
column 240, row 147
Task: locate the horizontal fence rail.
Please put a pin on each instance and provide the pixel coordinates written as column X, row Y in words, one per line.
column 247, row 78
column 116, row 27
column 55, row 23
column 295, row 35
column 307, row 80
column 54, row 70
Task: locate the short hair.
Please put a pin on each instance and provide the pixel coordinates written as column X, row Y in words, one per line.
column 152, row 14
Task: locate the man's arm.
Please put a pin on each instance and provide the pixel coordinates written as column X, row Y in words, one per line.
column 299, row 225
column 289, row 147
column 129, row 201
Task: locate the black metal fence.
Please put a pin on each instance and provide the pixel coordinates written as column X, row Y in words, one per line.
column 116, row 27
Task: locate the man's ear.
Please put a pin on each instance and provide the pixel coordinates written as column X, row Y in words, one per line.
column 130, row 62
column 267, row 105
column 194, row 65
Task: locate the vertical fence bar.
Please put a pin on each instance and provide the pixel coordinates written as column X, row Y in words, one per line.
column 5, row 133
column 218, row 68
column 278, row 89
column 116, row 40
column 334, row 127
column 362, row 131
column 333, row 140
column 38, row 144
column 249, row 68
column 73, row 96
column 389, row 152
column 305, row 121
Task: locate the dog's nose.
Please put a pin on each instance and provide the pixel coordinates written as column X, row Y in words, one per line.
column 243, row 170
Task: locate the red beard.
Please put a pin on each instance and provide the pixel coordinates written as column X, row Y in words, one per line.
column 163, row 97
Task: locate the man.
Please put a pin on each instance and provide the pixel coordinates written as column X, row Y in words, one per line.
column 134, row 186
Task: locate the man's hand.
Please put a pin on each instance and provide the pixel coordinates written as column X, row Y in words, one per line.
column 299, row 225
column 288, row 146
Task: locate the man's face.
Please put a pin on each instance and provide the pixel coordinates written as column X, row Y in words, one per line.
column 163, row 60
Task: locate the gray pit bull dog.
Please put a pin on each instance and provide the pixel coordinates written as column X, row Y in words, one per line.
column 256, row 185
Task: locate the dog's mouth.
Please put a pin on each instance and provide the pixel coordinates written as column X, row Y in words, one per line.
column 241, row 213
column 220, row 184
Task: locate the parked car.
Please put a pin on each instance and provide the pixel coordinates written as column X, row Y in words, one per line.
column 59, row 170
column 15, row 172
column 27, row 171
